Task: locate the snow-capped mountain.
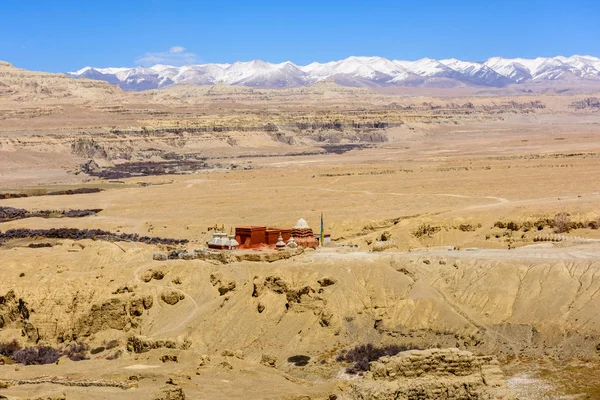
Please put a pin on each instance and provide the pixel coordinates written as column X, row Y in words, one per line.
column 355, row 71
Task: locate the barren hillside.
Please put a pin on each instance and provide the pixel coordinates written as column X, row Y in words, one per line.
column 466, row 222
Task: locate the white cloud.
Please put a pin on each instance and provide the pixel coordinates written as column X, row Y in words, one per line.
column 176, row 49
column 177, row 55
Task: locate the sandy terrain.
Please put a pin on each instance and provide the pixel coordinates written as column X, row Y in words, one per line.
column 440, row 220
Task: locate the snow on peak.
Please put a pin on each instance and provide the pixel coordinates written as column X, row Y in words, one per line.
column 80, row 71
column 366, row 70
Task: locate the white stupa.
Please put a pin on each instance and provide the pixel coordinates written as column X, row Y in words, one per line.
column 301, row 224
column 280, row 243
column 303, row 234
column 292, row 243
column 232, row 244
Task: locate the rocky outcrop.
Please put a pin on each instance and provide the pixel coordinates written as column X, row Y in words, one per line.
column 65, row 381
column 170, row 393
column 137, row 305
column 224, row 285
column 12, row 309
column 115, row 313
column 14, row 312
column 156, row 274
column 227, row 257
column 140, row 344
column 294, row 295
column 171, row 297
column 89, row 148
column 444, row 374
column 268, row 360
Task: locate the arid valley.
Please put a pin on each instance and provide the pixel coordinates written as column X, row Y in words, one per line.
column 464, row 224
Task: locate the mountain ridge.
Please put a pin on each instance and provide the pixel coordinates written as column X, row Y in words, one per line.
column 355, row 71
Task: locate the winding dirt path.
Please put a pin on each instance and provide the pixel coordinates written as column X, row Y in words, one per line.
column 500, row 200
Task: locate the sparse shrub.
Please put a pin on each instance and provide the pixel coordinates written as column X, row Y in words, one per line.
column 594, row 224
column 37, row 355
column 71, row 192
column 426, row 230
column 299, row 360
column 39, row 245
column 513, row 226
column 361, row 356
column 39, row 192
column 97, row 350
column 80, row 234
column 385, row 236
column 114, row 355
column 77, row 351
column 168, row 358
column 80, row 213
column 576, row 225
column 12, row 195
column 147, row 168
column 10, row 213
column 327, row 281
column 137, row 345
column 561, row 223
column 7, row 349
column 467, row 228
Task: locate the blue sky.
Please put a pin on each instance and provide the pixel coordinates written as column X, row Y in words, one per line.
column 65, row 35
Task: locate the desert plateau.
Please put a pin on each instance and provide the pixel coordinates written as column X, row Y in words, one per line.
column 428, row 240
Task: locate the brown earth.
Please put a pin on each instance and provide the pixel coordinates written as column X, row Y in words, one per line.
column 435, row 208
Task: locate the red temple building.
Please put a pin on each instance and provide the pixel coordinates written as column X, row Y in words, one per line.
column 251, row 236
column 254, row 237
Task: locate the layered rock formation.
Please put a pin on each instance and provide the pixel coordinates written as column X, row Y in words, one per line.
column 444, row 374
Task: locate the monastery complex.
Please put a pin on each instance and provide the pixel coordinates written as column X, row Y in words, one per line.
column 262, row 237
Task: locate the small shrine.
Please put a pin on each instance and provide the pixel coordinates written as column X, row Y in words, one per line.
column 221, row 241
column 280, row 245
column 303, row 234
column 292, row 243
